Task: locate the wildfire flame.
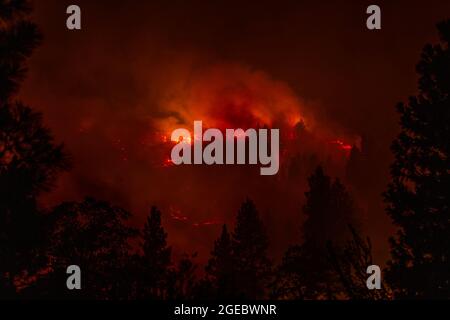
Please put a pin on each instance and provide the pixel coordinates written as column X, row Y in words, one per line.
column 176, row 215
column 237, row 97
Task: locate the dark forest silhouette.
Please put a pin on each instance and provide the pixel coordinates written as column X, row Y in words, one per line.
column 329, row 261
column 419, row 195
column 29, row 158
column 305, row 272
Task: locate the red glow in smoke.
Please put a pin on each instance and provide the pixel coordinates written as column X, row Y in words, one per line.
column 205, row 223
column 168, row 163
column 342, row 145
column 176, row 215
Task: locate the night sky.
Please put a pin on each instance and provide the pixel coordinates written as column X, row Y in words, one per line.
column 114, row 91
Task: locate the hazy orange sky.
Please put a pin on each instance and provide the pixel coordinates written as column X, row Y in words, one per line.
column 137, row 69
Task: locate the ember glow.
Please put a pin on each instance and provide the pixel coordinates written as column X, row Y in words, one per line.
column 342, row 145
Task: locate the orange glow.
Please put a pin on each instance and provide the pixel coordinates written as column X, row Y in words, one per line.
column 182, row 139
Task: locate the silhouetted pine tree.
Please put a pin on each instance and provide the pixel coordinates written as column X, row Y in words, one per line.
column 18, row 38
column 93, row 235
column 329, row 209
column 250, row 244
column 419, row 195
column 182, row 282
column 350, row 264
column 221, row 269
column 305, row 272
column 356, row 170
column 29, row 159
column 156, row 259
